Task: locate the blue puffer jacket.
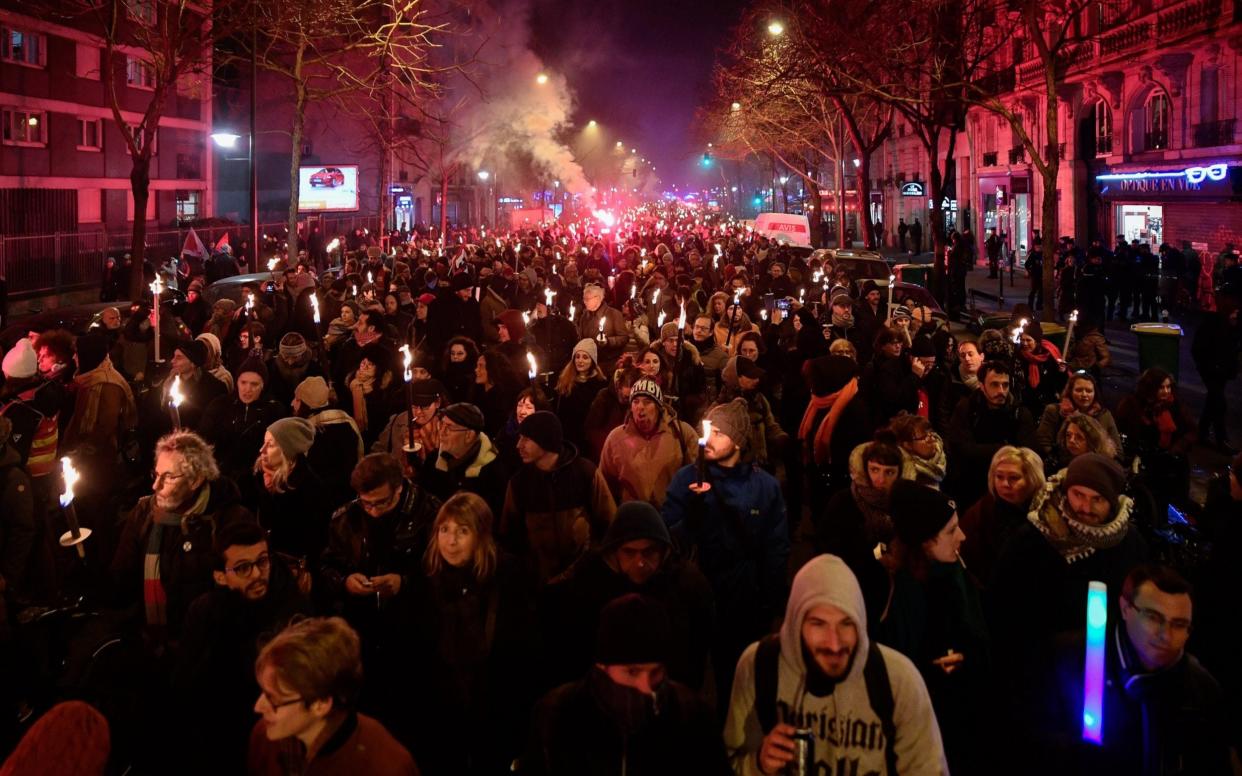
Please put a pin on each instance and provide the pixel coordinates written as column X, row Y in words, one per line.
column 738, row 534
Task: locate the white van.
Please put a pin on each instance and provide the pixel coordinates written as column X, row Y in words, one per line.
column 784, row 228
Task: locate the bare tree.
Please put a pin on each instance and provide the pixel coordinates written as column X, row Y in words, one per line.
column 159, row 46
column 361, row 54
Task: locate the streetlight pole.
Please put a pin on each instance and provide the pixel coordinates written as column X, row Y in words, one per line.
column 254, row 173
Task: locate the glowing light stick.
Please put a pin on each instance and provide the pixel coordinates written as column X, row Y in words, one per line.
column 157, row 288
column 175, row 399
column 76, row 533
column 1093, row 668
column 407, row 361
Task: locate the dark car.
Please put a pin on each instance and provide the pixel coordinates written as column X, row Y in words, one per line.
column 328, row 176
column 76, row 319
column 231, row 287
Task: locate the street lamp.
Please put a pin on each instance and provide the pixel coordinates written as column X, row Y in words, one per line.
column 229, row 140
column 541, row 79
column 484, row 175
column 591, row 124
column 775, row 29
column 736, row 106
column 620, row 144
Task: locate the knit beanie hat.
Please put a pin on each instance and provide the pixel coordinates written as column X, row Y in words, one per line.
column 294, row 435
column 92, row 350
column 636, row 520
column 293, row 349
column 918, row 512
column 213, row 345
column 841, row 297
column 1099, row 473
column 829, row 374
column 901, row 311
column 195, row 350
column 668, row 330
column 313, row 392
column 649, row 388
column 513, row 323
column 254, row 365
column 21, row 360
column 732, row 420
column 589, row 347
column 632, row 629
column 465, row 415
column 544, row 429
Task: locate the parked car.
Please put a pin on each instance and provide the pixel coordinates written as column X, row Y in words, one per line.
column 76, row 319
column 328, row 176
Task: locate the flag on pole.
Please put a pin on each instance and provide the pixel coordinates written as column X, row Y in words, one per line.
column 193, row 245
column 223, row 242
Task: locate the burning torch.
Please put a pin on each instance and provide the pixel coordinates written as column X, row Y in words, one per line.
column 76, row 534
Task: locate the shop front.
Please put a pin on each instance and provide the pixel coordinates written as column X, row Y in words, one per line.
column 1005, row 203
column 1195, row 204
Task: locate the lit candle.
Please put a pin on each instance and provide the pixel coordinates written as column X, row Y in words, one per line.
column 602, row 321
column 175, row 399
column 707, row 432
column 1093, row 668
column 76, row 533
column 407, row 361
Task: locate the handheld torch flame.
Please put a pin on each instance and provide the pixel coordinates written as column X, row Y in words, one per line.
column 175, row 396
column 602, row 321
column 660, row 319
column 534, row 369
column 547, row 296
column 571, row 311
column 681, row 319
column 1017, row 332
column 271, row 264
column 407, row 360
column 71, row 478
column 707, row 432
column 314, row 300
column 332, row 246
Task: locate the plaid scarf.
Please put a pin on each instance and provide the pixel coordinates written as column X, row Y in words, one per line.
column 154, row 597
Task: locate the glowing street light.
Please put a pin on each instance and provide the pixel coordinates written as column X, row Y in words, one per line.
column 736, row 106
column 225, row 139
column 620, row 144
column 484, row 175
column 541, row 79
column 776, row 28
column 591, row 124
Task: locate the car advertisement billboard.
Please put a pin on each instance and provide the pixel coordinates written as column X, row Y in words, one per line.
column 328, row 187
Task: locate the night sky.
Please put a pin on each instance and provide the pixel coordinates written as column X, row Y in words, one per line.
column 640, row 68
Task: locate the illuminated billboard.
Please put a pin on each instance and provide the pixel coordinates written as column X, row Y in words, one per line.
column 327, row 187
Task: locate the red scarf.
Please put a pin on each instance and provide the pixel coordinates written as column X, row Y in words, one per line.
column 835, row 403
column 1035, row 359
column 1162, row 419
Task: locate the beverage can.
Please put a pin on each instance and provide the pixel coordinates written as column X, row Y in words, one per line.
column 804, row 753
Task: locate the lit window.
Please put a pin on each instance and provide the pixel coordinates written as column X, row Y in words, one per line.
column 90, row 134
column 23, row 47
column 1158, row 114
column 24, row 127
column 136, row 133
column 188, row 204
column 141, row 10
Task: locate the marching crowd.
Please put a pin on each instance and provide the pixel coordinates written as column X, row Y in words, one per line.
column 666, row 498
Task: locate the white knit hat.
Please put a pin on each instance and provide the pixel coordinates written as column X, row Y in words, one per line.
column 21, row 361
column 589, row 347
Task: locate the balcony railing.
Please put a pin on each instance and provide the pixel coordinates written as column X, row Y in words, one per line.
column 1156, row 140
column 1214, row 133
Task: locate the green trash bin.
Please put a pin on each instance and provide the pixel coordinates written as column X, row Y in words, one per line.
column 1159, row 344
column 913, row 273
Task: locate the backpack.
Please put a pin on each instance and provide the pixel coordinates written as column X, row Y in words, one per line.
column 875, row 676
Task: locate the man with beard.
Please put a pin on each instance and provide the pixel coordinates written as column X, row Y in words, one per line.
column 962, row 382
column 712, row 355
column 640, row 457
column 164, row 557
column 256, row 596
column 636, row 556
column 865, row 704
column 293, row 363
column 843, row 326
column 626, row 715
column 735, row 523
column 467, row 459
column 982, row 423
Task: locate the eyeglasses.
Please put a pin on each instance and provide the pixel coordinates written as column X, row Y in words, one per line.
column 382, row 503
column 276, row 706
column 160, row 477
column 450, row 428
column 1157, row 621
column 247, row 567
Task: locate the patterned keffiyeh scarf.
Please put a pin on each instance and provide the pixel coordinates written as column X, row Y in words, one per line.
column 1072, row 538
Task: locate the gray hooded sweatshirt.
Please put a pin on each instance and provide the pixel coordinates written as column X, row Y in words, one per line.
column 847, row 733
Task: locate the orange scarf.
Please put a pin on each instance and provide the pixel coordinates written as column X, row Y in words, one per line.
column 1035, row 359
column 835, row 403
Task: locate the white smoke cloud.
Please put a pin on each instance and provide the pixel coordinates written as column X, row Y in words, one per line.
column 514, row 116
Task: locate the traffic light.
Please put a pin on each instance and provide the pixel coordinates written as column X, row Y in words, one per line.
column 707, row 160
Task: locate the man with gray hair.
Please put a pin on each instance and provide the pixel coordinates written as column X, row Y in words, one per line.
column 164, row 558
column 610, row 337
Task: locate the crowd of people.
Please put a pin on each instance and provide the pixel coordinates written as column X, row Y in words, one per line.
column 658, row 497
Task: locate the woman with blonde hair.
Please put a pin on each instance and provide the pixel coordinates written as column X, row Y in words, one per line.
column 577, row 386
column 1015, row 476
column 290, row 500
column 474, row 644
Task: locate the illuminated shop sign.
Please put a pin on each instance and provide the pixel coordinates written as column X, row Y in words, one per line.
column 1214, row 172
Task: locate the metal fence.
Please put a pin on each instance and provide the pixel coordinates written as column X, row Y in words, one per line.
column 38, row 265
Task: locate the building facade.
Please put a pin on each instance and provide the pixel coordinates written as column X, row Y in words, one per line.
column 64, row 164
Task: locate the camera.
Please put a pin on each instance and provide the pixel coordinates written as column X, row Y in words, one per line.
column 783, row 305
